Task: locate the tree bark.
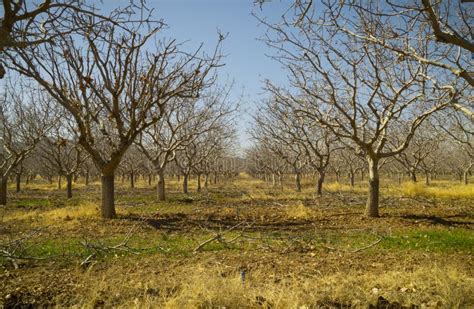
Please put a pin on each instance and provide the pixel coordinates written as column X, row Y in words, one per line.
column 298, row 181
column 413, row 176
column 206, row 180
column 161, row 185
column 427, row 179
column 87, row 178
column 185, row 183
column 108, row 201
column 319, row 187
column 18, row 182
column 352, row 178
column 199, row 183
column 59, row 182
column 372, row 209
column 132, row 180
column 3, row 190
column 466, row 177
column 69, row 185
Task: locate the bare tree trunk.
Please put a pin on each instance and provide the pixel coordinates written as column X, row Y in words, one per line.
column 69, row 185
column 352, row 178
column 18, row 182
column 206, row 180
column 298, row 181
column 273, row 180
column 215, row 178
column 108, row 202
column 427, row 179
column 87, row 178
column 27, row 181
column 361, row 175
column 199, row 182
column 280, row 179
column 413, row 175
column 149, row 179
column 179, row 178
column 185, row 183
column 132, row 180
column 319, row 187
column 161, row 185
column 466, row 176
column 59, row 182
column 3, row 190
column 372, row 209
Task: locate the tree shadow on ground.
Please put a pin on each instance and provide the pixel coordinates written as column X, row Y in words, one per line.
column 437, row 220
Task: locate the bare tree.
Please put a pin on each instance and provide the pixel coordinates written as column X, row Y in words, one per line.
column 26, row 23
column 183, row 122
column 360, row 92
column 25, row 117
column 113, row 87
column 59, row 152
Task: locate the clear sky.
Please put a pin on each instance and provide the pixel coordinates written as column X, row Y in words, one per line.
column 246, row 62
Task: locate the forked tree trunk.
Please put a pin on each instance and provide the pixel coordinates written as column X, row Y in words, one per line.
column 69, row 185
column 199, row 183
column 108, row 202
column 298, row 181
column 319, row 186
column 372, row 209
column 18, row 182
column 161, row 185
column 185, row 183
column 3, row 190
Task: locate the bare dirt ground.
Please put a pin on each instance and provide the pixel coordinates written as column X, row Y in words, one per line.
column 239, row 244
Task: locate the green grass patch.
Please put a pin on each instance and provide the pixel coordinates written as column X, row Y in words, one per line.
column 432, row 240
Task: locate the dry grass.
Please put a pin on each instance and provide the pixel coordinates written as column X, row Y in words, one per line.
column 83, row 210
column 205, row 286
column 440, row 189
column 298, row 211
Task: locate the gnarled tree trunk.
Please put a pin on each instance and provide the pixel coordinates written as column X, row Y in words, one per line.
column 69, row 185
column 199, row 182
column 161, row 185
column 298, row 181
column 372, row 208
column 319, row 186
column 3, row 190
column 185, row 183
column 108, row 204
column 18, row 182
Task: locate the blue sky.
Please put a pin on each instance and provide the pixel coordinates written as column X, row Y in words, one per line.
column 246, row 62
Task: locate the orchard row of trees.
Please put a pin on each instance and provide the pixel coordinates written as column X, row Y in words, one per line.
column 194, row 137
column 378, row 81
column 106, row 90
column 432, row 154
